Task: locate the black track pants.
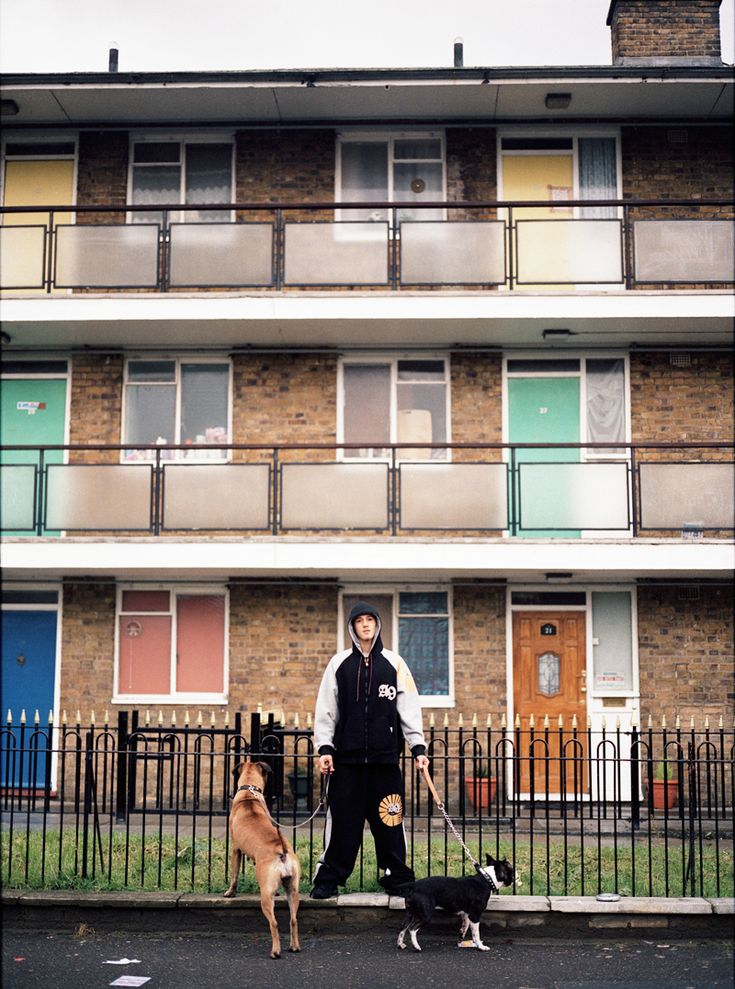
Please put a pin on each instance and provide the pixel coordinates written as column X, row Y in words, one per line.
column 358, row 794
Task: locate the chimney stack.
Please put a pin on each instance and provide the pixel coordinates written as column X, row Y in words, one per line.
column 665, row 32
column 112, row 63
column 458, row 53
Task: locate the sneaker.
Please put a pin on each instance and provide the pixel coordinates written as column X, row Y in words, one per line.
column 322, row 891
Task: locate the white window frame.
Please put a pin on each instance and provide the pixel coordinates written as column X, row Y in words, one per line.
column 392, row 360
column 173, row 697
column 224, row 137
column 196, row 457
column 388, row 137
column 394, row 590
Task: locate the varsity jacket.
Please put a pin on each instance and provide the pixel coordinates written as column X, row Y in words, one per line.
column 366, row 706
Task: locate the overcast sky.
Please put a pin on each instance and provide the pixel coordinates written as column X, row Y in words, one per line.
column 75, row 35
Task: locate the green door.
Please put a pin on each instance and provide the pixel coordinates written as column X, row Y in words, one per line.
column 32, row 411
column 543, row 410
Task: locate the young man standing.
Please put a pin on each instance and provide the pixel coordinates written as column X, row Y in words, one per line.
column 367, row 705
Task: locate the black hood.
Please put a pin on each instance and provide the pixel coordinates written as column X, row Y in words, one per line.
column 363, row 608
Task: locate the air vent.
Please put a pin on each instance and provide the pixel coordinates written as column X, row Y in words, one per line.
column 679, row 359
column 677, row 136
column 689, row 593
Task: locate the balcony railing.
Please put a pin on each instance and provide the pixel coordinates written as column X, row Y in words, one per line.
column 278, row 246
column 516, row 489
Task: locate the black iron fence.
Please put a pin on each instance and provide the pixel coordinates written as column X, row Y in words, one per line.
column 522, row 488
column 144, row 805
column 479, row 244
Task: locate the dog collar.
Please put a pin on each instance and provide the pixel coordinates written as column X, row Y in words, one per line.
column 251, row 787
column 491, row 879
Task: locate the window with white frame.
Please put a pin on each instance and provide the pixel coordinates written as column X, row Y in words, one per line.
column 180, row 171
column 171, row 643
column 395, row 400
column 417, row 625
column 176, row 400
column 404, row 167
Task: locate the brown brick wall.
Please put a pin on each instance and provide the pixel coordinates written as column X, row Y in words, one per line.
column 677, row 163
column 665, row 28
column 103, row 174
column 96, row 405
column 682, row 404
column 471, row 169
column 479, row 654
column 476, row 383
column 87, row 649
column 686, row 654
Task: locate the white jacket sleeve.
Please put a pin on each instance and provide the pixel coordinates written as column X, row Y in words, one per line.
column 409, row 709
column 327, row 708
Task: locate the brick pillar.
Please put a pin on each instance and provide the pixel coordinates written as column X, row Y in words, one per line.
column 665, row 32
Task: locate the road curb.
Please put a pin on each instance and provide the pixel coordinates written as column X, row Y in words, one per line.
column 65, row 910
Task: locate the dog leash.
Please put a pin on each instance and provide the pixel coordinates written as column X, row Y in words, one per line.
column 447, row 818
column 278, row 825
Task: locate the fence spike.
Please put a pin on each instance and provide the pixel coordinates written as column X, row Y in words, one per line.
column 445, row 723
column 561, row 721
column 432, row 721
column 677, row 722
column 460, row 720
column 663, row 721
column 79, row 717
column 186, row 718
column 574, row 722
column 722, row 722
column 474, row 719
column 518, row 721
column 489, row 722
column 199, row 719
column 107, row 717
column 36, row 718
column 617, row 722
column 532, row 722
column 650, row 722
column 260, row 711
column 147, row 717
column 51, row 717
column 296, row 721
column 9, row 718
column 212, row 719
column 63, row 718
column 706, row 722
column 23, row 716
column 503, row 721
column 691, row 722
column 308, row 720
column 173, row 717
column 160, row 716
column 589, row 722
column 227, row 718
column 283, row 717
column 546, row 721
column 634, row 719
column 92, row 718
column 603, row 722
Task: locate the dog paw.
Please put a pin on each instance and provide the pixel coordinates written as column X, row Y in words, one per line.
column 275, row 954
column 230, row 892
column 482, row 947
column 294, row 949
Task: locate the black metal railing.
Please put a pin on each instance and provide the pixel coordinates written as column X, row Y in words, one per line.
column 520, row 488
column 476, row 244
column 143, row 804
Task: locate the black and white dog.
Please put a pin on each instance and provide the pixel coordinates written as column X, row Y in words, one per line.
column 467, row 897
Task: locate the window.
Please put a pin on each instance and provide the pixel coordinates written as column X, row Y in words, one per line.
column 417, row 625
column 165, row 172
column 395, row 401
column 170, row 643
column 612, row 644
column 176, row 401
column 403, row 167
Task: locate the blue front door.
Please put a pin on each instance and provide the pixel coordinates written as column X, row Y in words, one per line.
column 28, row 668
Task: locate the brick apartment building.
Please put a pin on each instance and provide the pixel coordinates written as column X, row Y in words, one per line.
column 509, row 425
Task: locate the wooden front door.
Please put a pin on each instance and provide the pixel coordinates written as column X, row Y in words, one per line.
column 549, row 679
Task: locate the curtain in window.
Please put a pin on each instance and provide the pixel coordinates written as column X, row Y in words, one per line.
column 208, row 179
column 606, row 401
column 597, row 174
column 365, row 177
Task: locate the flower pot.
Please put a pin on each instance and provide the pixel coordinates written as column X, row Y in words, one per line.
column 665, row 794
column 481, row 791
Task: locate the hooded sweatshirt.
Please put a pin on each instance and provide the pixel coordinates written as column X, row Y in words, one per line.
column 367, row 705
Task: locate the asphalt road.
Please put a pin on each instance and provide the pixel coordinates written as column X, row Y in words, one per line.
column 366, row 961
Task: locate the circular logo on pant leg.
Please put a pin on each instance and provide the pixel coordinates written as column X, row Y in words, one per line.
column 390, row 809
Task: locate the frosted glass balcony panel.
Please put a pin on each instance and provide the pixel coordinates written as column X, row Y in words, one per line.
column 453, row 496
column 569, row 252
column 98, row 497
column 336, row 253
column 675, row 495
column 684, row 250
column 17, row 497
column 453, row 253
column 216, row 496
column 574, row 496
column 334, row 496
column 221, row 254
column 22, row 256
column 124, row 256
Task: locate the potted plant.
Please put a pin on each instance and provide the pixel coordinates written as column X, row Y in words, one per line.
column 481, row 788
column 665, row 787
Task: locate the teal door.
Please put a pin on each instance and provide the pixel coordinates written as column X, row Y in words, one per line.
column 543, row 410
column 32, row 410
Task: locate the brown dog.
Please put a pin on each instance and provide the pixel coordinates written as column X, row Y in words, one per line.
column 254, row 835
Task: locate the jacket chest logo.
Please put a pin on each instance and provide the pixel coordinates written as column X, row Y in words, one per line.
column 386, row 690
